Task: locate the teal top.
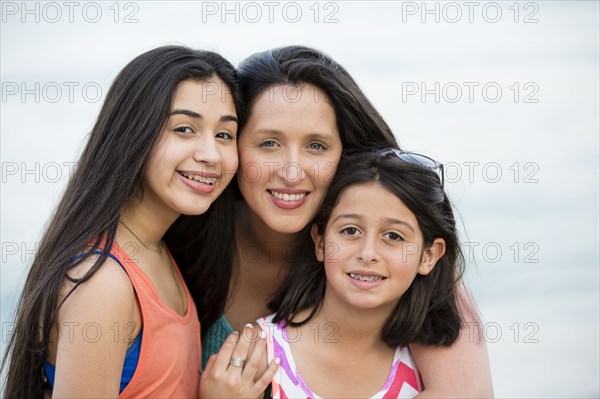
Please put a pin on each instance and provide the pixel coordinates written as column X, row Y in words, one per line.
column 214, row 338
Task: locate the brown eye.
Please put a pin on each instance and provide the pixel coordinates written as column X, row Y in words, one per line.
column 394, row 236
column 225, row 136
column 351, row 231
column 184, row 130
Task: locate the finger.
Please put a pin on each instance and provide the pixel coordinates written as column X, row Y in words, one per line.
column 209, row 364
column 243, row 344
column 261, row 384
column 256, row 339
column 224, row 355
column 258, row 359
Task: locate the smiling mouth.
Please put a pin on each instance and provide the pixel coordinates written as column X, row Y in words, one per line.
column 198, row 178
column 361, row 277
column 288, row 197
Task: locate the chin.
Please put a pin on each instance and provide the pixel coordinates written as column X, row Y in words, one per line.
column 286, row 228
column 194, row 210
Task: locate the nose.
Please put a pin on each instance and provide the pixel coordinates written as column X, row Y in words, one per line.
column 207, row 150
column 368, row 251
column 292, row 169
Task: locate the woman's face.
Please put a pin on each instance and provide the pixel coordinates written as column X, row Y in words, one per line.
column 196, row 155
column 288, row 152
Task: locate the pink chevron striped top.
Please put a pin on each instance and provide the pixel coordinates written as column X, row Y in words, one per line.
column 403, row 380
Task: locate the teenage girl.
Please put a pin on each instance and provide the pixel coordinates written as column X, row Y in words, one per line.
column 105, row 312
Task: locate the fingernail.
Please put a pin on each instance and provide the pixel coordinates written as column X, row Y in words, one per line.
column 249, row 325
column 263, row 334
column 235, row 332
column 277, row 361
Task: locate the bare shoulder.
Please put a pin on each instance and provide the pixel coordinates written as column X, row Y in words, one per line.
column 95, row 325
column 108, row 291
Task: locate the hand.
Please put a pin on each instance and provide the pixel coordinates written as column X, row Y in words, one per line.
column 232, row 373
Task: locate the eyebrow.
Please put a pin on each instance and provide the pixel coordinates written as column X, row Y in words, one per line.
column 388, row 220
column 195, row 115
column 398, row 221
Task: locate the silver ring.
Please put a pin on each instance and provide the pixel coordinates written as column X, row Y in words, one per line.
column 237, row 362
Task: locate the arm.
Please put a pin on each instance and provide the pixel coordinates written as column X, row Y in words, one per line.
column 461, row 370
column 89, row 351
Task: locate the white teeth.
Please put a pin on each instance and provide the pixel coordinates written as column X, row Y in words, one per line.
column 201, row 179
column 288, row 197
column 365, row 278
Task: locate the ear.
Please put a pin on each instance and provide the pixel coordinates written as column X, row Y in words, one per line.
column 318, row 240
column 431, row 255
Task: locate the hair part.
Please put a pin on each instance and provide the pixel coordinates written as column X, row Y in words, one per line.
column 428, row 312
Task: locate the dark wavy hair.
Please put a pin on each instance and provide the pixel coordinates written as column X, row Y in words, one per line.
column 428, row 312
column 359, row 124
column 109, row 174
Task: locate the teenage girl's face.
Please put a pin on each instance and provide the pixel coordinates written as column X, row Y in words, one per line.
column 196, row 155
column 289, row 150
column 372, row 249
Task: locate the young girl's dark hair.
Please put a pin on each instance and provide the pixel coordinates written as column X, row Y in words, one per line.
column 109, row 175
column 428, row 312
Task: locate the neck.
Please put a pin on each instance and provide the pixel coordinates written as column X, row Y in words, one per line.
column 357, row 328
column 148, row 224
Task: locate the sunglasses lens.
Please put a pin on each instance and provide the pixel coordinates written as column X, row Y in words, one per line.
column 418, row 160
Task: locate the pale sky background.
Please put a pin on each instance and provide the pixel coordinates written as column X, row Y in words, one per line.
column 521, row 149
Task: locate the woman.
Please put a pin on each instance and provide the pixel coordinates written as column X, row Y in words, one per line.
column 104, row 298
column 302, row 111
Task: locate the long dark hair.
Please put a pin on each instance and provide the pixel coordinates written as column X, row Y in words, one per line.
column 109, row 174
column 428, row 312
column 359, row 124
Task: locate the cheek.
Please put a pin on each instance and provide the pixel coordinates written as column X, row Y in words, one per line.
column 249, row 170
column 250, row 173
column 230, row 161
column 322, row 172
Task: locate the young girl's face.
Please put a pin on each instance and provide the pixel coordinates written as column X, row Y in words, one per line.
column 372, row 249
column 289, row 149
column 196, row 155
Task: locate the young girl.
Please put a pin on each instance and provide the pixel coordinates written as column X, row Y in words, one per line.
column 382, row 274
column 104, row 311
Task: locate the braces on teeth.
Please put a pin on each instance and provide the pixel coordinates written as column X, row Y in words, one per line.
column 365, row 278
column 201, row 179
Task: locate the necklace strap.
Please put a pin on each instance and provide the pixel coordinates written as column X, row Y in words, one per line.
column 158, row 251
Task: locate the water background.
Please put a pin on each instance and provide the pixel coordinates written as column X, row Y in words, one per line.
column 505, row 93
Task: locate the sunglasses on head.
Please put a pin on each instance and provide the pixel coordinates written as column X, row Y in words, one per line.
column 416, row 159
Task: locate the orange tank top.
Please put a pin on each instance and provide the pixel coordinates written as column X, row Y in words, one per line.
column 170, row 353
